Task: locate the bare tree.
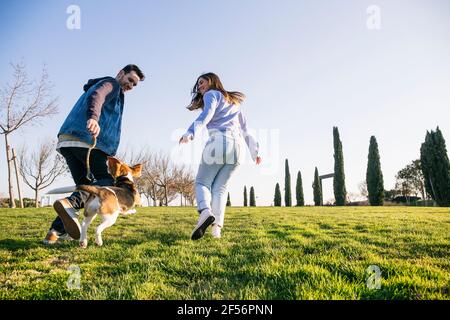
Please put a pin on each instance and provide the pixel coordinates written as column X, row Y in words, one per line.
column 190, row 196
column 188, row 188
column 178, row 181
column 184, row 184
column 147, row 183
column 166, row 177
column 161, row 180
column 17, row 177
column 22, row 103
column 39, row 169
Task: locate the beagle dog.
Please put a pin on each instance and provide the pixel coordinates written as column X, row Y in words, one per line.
column 109, row 202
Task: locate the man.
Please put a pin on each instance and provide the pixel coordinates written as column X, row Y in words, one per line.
column 97, row 114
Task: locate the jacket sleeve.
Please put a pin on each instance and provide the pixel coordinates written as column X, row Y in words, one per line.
column 210, row 104
column 102, row 94
column 252, row 144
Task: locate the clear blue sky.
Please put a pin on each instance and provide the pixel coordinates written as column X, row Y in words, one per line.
column 305, row 67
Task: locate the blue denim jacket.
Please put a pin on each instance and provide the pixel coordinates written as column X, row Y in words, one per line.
column 110, row 120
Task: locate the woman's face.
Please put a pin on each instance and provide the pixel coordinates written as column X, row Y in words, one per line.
column 202, row 85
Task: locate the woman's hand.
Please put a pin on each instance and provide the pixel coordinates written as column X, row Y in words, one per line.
column 185, row 138
column 258, row 160
column 93, row 127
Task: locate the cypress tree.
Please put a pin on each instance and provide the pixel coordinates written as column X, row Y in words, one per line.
column 340, row 193
column 317, row 189
column 299, row 191
column 287, row 186
column 442, row 167
column 425, row 163
column 245, row 196
column 277, row 197
column 374, row 176
column 252, row 197
column 436, row 167
column 228, row 200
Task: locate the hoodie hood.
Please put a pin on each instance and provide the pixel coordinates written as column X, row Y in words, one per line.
column 92, row 82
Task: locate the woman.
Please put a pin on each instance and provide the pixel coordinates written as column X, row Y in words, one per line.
column 222, row 116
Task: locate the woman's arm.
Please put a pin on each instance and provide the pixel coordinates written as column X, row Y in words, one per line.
column 252, row 144
column 210, row 104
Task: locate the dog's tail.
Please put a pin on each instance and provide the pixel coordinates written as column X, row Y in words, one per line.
column 89, row 189
column 62, row 190
column 88, row 192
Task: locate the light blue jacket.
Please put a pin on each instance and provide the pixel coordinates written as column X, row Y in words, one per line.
column 219, row 115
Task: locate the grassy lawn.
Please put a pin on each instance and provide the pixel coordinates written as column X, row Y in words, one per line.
column 265, row 253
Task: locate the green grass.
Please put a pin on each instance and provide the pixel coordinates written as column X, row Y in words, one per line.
column 265, row 253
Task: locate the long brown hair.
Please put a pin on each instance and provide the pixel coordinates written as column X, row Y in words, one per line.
column 214, row 83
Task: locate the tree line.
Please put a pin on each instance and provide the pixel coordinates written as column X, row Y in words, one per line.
column 24, row 102
column 428, row 176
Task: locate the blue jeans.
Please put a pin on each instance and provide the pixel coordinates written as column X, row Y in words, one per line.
column 220, row 159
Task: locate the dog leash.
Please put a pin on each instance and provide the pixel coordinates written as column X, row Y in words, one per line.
column 89, row 174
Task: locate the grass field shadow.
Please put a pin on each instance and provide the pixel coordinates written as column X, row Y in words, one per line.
column 14, row 244
column 166, row 237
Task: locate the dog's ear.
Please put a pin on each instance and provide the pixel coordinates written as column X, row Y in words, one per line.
column 113, row 166
column 136, row 170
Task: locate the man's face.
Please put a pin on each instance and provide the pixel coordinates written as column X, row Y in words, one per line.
column 128, row 80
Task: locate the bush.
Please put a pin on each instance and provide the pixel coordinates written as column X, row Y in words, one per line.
column 27, row 203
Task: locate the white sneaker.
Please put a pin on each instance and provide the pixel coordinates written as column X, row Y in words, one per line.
column 69, row 217
column 215, row 231
column 205, row 220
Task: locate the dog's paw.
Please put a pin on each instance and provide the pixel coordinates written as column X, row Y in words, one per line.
column 132, row 211
column 98, row 241
column 83, row 244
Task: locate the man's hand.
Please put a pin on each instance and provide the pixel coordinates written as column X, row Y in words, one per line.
column 93, row 127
